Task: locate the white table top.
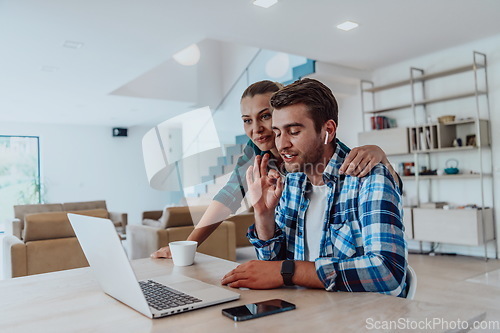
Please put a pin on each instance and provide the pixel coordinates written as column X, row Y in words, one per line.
column 71, row 301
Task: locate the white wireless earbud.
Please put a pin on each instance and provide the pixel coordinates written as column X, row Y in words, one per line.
column 326, row 138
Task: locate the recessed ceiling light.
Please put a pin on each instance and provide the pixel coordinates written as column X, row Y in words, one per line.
column 71, row 44
column 265, row 3
column 347, row 25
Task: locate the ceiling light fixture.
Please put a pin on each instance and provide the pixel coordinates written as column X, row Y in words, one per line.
column 189, row 56
column 347, row 25
column 265, row 3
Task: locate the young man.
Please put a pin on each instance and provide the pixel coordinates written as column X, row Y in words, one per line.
column 321, row 229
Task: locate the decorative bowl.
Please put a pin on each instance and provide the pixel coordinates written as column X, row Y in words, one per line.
column 446, row 119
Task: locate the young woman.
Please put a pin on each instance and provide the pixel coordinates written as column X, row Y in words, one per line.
column 256, row 114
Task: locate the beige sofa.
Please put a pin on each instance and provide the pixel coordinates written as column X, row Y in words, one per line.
column 21, row 211
column 241, row 223
column 176, row 223
column 49, row 244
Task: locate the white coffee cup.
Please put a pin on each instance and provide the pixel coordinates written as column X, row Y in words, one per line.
column 183, row 252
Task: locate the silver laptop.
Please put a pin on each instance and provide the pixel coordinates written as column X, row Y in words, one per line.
column 155, row 298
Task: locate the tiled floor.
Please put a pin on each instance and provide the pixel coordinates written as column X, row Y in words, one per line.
column 491, row 279
column 459, row 281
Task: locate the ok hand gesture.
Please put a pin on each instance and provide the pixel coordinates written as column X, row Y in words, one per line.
column 264, row 188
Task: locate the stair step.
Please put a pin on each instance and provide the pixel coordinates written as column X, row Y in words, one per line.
column 200, row 188
column 222, row 160
column 206, row 179
column 225, row 166
column 228, row 168
column 218, row 184
column 216, row 170
column 234, row 150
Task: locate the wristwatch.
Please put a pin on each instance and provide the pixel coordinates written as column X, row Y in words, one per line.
column 287, row 271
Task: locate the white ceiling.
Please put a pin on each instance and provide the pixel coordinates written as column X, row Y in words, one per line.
column 42, row 81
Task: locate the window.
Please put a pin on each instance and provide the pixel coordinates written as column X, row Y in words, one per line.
column 19, row 174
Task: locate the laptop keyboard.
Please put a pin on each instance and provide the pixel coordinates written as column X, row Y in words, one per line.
column 162, row 297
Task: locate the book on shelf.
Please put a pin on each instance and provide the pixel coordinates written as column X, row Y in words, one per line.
column 382, row 122
column 413, row 139
column 433, row 205
column 428, row 137
column 423, row 144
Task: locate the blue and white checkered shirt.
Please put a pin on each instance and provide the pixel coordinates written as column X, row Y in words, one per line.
column 362, row 243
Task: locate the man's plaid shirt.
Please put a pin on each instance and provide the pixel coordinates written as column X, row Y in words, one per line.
column 362, row 244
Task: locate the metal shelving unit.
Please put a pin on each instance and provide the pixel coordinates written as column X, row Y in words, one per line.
column 418, row 105
column 451, row 177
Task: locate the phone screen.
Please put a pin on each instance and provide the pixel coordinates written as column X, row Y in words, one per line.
column 256, row 310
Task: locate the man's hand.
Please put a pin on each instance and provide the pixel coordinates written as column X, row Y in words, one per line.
column 255, row 274
column 264, row 188
column 361, row 160
column 164, row 252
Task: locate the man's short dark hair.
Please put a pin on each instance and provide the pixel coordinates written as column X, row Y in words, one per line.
column 317, row 97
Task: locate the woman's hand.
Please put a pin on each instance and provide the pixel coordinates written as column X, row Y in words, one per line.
column 361, row 160
column 164, row 252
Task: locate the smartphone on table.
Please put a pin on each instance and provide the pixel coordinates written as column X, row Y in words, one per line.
column 255, row 310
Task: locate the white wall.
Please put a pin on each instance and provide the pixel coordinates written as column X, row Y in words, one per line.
column 209, row 81
column 83, row 163
column 234, row 59
column 459, row 192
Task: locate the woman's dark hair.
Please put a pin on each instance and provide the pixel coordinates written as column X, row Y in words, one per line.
column 317, row 97
column 261, row 87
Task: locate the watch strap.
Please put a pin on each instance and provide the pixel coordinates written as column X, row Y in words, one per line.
column 287, row 272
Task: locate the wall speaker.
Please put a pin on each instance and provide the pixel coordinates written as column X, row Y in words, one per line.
column 117, row 131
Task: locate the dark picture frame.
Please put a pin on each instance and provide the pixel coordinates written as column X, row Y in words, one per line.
column 470, row 140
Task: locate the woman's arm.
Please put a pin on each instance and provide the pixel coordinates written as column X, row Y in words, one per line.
column 361, row 161
column 225, row 202
column 211, row 219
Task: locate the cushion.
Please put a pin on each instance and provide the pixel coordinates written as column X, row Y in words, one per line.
column 54, row 255
column 181, row 216
column 84, row 205
column 98, row 212
column 152, row 223
column 54, row 225
column 20, row 211
column 241, row 224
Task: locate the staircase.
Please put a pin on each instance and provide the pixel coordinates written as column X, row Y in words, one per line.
column 218, row 175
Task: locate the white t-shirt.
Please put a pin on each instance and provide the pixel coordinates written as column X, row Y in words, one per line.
column 314, row 221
